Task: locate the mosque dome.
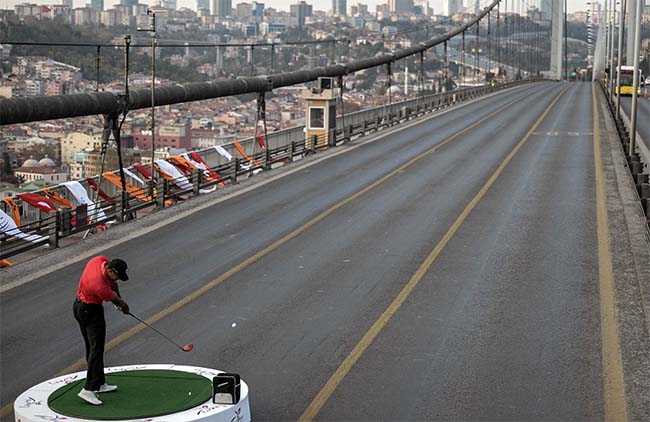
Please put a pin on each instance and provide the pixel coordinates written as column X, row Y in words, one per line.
column 31, row 162
column 46, row 162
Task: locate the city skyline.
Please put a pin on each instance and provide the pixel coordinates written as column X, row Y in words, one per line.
column 284, row 5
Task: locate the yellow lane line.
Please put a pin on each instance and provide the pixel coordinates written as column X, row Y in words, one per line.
column 324, row 394
column 613, row 386
column 78, row 365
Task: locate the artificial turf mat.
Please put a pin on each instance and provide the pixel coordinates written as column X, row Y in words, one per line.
column 140, row 394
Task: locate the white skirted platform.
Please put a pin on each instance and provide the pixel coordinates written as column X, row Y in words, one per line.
column 32, row 405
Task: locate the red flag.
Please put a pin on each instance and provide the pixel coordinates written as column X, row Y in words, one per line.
column 142, row 170
column 181, row 165
column 260, row 141
column 103, row 194
column 213, row 173
column 38, row 201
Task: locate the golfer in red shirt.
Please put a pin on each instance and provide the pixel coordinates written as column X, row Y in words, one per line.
column 98, row 284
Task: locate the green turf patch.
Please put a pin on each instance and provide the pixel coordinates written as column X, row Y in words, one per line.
column 140, row 394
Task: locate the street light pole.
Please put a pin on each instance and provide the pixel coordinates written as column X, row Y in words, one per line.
column 152, row 30
column 566, row 58
column 621, row 30
column 612, row 27
column 635, row 82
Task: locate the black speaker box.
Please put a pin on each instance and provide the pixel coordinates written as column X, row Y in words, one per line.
column 226, row 388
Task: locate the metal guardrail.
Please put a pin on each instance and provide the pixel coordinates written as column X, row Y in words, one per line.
column 281, row 146
column 636, row 161
column 642, row 144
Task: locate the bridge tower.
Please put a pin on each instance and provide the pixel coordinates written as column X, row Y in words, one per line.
column 630, row 24
column 557, row 29
column 320, row 114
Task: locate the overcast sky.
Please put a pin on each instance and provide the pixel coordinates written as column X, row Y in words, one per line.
column 573, row 5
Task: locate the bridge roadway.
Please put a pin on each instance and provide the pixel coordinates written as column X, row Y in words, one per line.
column 447, row 270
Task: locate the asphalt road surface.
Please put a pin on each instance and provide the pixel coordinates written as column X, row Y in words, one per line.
column 490, row 241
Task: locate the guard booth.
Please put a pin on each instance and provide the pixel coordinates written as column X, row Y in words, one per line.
column 320, row 125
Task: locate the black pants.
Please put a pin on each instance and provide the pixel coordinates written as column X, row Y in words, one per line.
column 93, row 329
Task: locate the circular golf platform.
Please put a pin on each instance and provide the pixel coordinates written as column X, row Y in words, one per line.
column 170, row 393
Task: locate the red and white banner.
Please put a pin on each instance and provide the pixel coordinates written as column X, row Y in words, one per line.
column 225, row 154
column 260, row 141
column 99, row 191
column 8, row 226
column 38, row 201
column 144, row 171
column 77, row 190
column 133, row 176
column 178, row 177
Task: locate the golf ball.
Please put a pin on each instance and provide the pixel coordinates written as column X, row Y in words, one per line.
column 234, row 324
column 189, row 393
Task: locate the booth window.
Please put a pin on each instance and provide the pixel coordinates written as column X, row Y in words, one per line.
column 317, row 118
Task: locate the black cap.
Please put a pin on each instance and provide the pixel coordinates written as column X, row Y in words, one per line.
column 120, row 267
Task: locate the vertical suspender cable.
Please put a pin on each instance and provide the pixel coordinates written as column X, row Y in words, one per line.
column 99, row 47
column 341, row 86
column 421, row 74
column 446, row 69
column 463, row 58
column 252, row 53
column 478, row 56
column 390, row 99
column 497, row 38
column 489, row 68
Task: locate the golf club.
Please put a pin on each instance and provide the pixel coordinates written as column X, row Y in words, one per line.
column 185, row 348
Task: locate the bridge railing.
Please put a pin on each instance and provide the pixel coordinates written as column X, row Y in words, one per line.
column 637, row 161
column 49, row 229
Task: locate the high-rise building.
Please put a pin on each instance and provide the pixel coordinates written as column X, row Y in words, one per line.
column 139, row 9
column 339, row 7
column 400, row 6
column 243, row 11
column 98, row 5
column 423, row 6
column 202, row 4
column 358, row 8
column 222, row 8
column 299, row 12
column 86, row 16
column 258, row 9
column 110, row 17
column 169, row 4
column 450, row 7
column 546, row 8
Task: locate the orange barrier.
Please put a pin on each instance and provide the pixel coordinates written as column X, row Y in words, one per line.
column 13, row 207
column 133, row 190
column 243, row 154
column 57, row 198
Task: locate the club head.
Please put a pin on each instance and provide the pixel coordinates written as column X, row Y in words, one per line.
column 188, row 347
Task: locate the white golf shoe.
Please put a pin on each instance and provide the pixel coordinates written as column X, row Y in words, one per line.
column 89, row 396
column 106, row 388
